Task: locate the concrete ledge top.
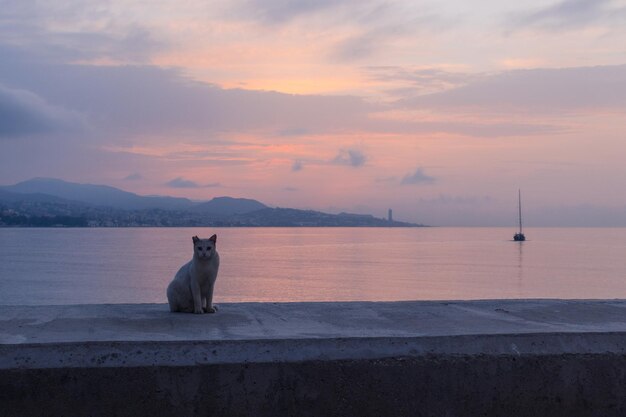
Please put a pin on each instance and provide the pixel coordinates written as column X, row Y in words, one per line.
column 299, row 331
column 249, row 321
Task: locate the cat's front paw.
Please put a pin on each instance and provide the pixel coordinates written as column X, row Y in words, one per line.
column 198, row 311
column 211, row 309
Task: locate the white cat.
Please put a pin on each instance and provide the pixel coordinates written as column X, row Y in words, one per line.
column 191, row 290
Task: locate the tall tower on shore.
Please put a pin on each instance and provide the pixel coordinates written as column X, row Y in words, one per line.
column 390, row 215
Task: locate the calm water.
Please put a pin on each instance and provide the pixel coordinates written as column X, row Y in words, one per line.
column 72, row 266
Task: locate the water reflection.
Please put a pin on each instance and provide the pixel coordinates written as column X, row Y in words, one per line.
column 299, row 264
column 520, row 267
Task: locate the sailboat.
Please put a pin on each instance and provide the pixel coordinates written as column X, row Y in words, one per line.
column 519, row 236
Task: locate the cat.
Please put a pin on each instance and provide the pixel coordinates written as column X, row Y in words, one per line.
column 191, row 290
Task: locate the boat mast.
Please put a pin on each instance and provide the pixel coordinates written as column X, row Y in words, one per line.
column 519, row 202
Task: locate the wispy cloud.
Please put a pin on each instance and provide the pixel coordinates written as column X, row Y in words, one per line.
column 417, row 177
column 75, row 31
column 180, row 182
column 358, row 47
column 350, row 157
column 133, row 177
column 406, row 81
column 297, row 166
column 572, row 14
column 381, row 26
column 282, row 11
column 537, row 90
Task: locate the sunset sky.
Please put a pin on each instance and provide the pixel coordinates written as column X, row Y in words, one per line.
column 439, row 110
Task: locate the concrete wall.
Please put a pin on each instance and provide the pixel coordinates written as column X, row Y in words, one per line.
column 432, row 385
column 441, row 359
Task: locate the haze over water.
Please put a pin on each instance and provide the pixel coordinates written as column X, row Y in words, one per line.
column 92, row 266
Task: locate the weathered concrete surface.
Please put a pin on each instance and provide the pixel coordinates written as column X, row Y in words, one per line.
column 488, row 358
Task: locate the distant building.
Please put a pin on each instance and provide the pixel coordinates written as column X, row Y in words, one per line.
column 390, row 215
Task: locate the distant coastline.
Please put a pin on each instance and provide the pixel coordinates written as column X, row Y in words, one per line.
column 271, row 217
column 45, row 202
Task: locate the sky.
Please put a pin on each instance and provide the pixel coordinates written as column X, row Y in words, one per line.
column 439, row 110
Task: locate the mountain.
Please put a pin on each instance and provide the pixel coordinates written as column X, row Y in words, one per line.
column 97, row 195
column 8, row 196
column 50, row 190
column 47, row 202
column 228, row 205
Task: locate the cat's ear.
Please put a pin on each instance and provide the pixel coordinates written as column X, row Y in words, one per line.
column 213, row 238
column 195, row 239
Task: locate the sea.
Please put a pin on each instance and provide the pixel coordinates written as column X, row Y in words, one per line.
column 52, row 266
